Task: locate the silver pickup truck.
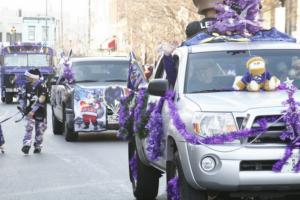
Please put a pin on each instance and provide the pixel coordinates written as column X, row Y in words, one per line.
column 208, row 105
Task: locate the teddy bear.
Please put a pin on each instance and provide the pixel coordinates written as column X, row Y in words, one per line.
column 257, row 77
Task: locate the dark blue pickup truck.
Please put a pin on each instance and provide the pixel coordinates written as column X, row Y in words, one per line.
column 91, row 103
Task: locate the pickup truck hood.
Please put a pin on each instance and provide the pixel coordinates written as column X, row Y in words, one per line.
column 239, row 101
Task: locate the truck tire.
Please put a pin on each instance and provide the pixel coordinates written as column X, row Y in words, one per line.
column 146, row 185
column 70, row 134
column 57, row 126
column 8, row 98
column 186, row 191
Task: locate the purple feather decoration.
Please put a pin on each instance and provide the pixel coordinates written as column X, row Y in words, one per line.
column 68, row 73
column 155, row 128
column 133, row 166
column 173, row 189
column 237, row 17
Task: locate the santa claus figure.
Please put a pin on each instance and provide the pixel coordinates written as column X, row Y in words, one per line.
column 88, row 109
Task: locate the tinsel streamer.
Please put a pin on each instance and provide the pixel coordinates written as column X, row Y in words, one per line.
column 142, row 113
column 279, row 164
column 133, row 166
column 155, row 129
column 216, row 139
column 173, row 189
column 291, row 117
column 237, row 17
column 125, row 116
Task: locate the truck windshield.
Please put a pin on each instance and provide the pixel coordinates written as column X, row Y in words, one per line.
column 104, row 71
column 30, row 60
column 216, row 71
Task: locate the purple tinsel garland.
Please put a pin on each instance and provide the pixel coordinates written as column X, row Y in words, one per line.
column 133, row 166
column 173, row 189
column 139, row 112
column 156, row 132
column 291, row 117
column 216, row 139
column 155, row 129
column 237, row 17
column 125, row 116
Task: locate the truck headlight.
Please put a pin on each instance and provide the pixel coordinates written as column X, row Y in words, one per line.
column 209, row 124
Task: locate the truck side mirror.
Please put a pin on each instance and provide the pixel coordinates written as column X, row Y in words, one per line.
column 158, row 87
column 70, row 53
column 54, row 80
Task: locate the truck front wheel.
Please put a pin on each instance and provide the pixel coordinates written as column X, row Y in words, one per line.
column 9, row 97
column 70, row 134
column 57, row 126
column 145, row 187
column 185, row 190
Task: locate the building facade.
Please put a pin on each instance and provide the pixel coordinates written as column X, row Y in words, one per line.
column 14, row 27
column 10, row 26
column 40, row 29
column 284, row 15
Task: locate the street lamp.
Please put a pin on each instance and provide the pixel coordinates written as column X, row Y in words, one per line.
column 13, row 35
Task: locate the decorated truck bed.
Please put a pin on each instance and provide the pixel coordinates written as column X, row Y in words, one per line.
column 86, row 97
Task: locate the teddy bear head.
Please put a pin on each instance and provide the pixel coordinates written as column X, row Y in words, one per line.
column 256, row 66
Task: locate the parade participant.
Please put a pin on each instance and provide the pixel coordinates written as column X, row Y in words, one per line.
column 148, row 70
column 32, row 99
column 208, row 11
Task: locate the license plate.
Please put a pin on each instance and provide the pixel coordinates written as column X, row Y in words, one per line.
column 11, row 89
column 112, row 119
column 290, row 164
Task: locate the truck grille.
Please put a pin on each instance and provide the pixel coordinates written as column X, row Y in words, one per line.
column 272, row 136
column 7, row 80
column 257, row 165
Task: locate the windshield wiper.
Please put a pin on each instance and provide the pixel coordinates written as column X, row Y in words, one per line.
column 214, row 90
column 86, row 81
column 116, row 80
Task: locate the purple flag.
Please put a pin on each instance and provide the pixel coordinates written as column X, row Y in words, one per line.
column 135, row 75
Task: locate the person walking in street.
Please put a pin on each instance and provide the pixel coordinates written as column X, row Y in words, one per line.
column 32, row 100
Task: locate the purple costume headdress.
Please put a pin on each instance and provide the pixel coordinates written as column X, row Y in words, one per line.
column 237, row 17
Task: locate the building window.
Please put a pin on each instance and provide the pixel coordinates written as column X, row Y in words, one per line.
column 8, row 39
column 45, row 33
column 31, row 33
column 18, row 37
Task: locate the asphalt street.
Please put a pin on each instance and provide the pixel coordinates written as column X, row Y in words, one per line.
column 95, row 167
